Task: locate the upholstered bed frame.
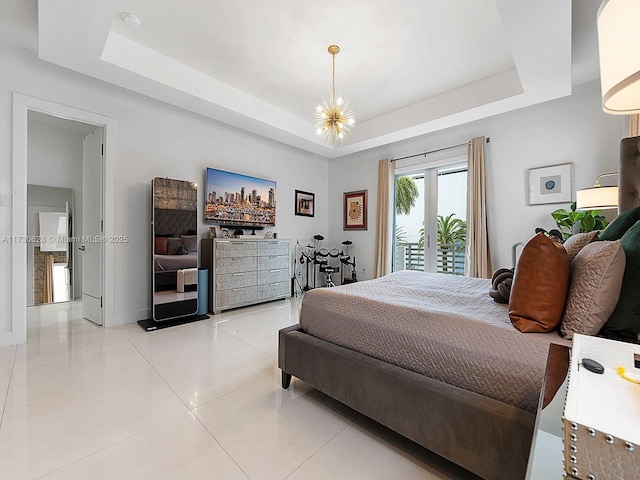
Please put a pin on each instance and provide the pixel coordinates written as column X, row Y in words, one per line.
column 485, row 436
column 629, row 174
column 173, row 223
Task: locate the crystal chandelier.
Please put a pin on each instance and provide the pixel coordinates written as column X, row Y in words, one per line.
column 333, row 118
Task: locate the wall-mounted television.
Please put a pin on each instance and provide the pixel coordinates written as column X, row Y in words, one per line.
column 236, row 199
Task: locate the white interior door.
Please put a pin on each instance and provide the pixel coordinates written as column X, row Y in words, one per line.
column 91, row 240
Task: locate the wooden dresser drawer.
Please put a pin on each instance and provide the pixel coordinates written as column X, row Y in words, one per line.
column 273, row 275
column 274, row 290
column 273, row 247
column 227, row 265
column 236, row 280
column 269, row 262
column 233, row 248
column 236, row 296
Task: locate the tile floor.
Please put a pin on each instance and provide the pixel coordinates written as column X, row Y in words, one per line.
column 197, row 401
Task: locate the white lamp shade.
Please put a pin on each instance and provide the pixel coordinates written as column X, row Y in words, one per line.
column 597, row 198
column 618, row 41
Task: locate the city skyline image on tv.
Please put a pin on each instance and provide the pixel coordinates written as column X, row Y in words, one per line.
column 239, row 200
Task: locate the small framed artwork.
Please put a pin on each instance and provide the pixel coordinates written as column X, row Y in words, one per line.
column 355, row 210
column 305, row 204
column 553, row 184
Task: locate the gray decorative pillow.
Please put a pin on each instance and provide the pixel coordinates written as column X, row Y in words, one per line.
column 576, row 242
column 596, row 280
column 173, row 246
column 190, row 241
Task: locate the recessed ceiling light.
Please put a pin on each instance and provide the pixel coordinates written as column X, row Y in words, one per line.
column 131, row 21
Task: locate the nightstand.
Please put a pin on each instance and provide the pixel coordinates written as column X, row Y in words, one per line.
column 545, row 459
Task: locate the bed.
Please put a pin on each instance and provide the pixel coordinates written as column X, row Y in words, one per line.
column 168, row 263
column 365, row 344
column 175, row 245
column 467, row 387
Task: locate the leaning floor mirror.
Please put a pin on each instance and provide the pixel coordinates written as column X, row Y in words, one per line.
column 175, row 248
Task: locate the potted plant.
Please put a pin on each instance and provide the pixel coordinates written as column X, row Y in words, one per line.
column 570, row 222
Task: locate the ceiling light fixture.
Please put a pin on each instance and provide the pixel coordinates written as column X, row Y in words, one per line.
column 131, row 21
column 333, row 118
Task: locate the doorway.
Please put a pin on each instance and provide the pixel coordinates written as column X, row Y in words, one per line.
column 431, row 217
column 23, row 107
column 64, row 197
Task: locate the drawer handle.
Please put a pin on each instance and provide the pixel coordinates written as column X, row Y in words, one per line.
column 274, row 271
column 275, row 284
column 239, row 274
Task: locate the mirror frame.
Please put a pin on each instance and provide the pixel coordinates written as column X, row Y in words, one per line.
column 174, row 197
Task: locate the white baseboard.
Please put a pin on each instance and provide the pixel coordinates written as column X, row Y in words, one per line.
column 126, row 318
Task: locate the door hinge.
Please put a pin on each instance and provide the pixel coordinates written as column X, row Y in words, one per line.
column 101, row 226
column 100, row 302
column 428, row 241
column 102, row 149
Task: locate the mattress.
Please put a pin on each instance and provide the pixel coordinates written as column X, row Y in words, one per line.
column 175, row 262
column 443, row 326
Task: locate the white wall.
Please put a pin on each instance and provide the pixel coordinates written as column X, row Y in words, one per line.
column 55, row 155
column 572, row 129
column 151, row 139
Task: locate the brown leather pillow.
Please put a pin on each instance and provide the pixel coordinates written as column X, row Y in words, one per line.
column 160, row 247
column 540, row 286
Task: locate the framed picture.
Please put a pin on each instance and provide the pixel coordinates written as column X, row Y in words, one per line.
column 553, row 184
column 355, row 210
column 305, row 204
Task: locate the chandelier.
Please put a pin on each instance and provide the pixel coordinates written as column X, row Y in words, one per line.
column 333, row 118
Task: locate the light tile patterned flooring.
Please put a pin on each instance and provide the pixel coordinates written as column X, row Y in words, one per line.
column 197, row 401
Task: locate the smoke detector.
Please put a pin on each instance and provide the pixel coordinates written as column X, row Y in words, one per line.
column 131, row 21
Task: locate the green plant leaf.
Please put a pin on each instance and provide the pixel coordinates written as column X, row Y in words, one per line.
column 559, row 214
column 575, row 217
column 588, row 223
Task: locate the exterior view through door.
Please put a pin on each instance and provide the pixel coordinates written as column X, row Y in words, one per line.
column 431, row 218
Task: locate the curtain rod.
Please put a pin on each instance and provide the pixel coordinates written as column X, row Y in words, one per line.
column 436, row 150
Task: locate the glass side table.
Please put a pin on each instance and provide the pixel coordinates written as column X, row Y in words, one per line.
column 545, row 459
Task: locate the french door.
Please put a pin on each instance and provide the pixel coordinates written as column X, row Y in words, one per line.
column 431, row 235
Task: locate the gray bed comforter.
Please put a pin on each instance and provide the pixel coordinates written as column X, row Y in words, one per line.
column 443, row 326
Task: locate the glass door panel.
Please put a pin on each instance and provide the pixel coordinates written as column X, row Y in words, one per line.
column 430, row 219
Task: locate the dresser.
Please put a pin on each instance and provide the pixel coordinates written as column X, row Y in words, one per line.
column 246, row 271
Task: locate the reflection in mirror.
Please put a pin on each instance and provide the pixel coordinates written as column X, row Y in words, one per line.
column 50, row 272
column 175, row 248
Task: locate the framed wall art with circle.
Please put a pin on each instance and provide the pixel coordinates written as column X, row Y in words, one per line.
column 552, row 184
